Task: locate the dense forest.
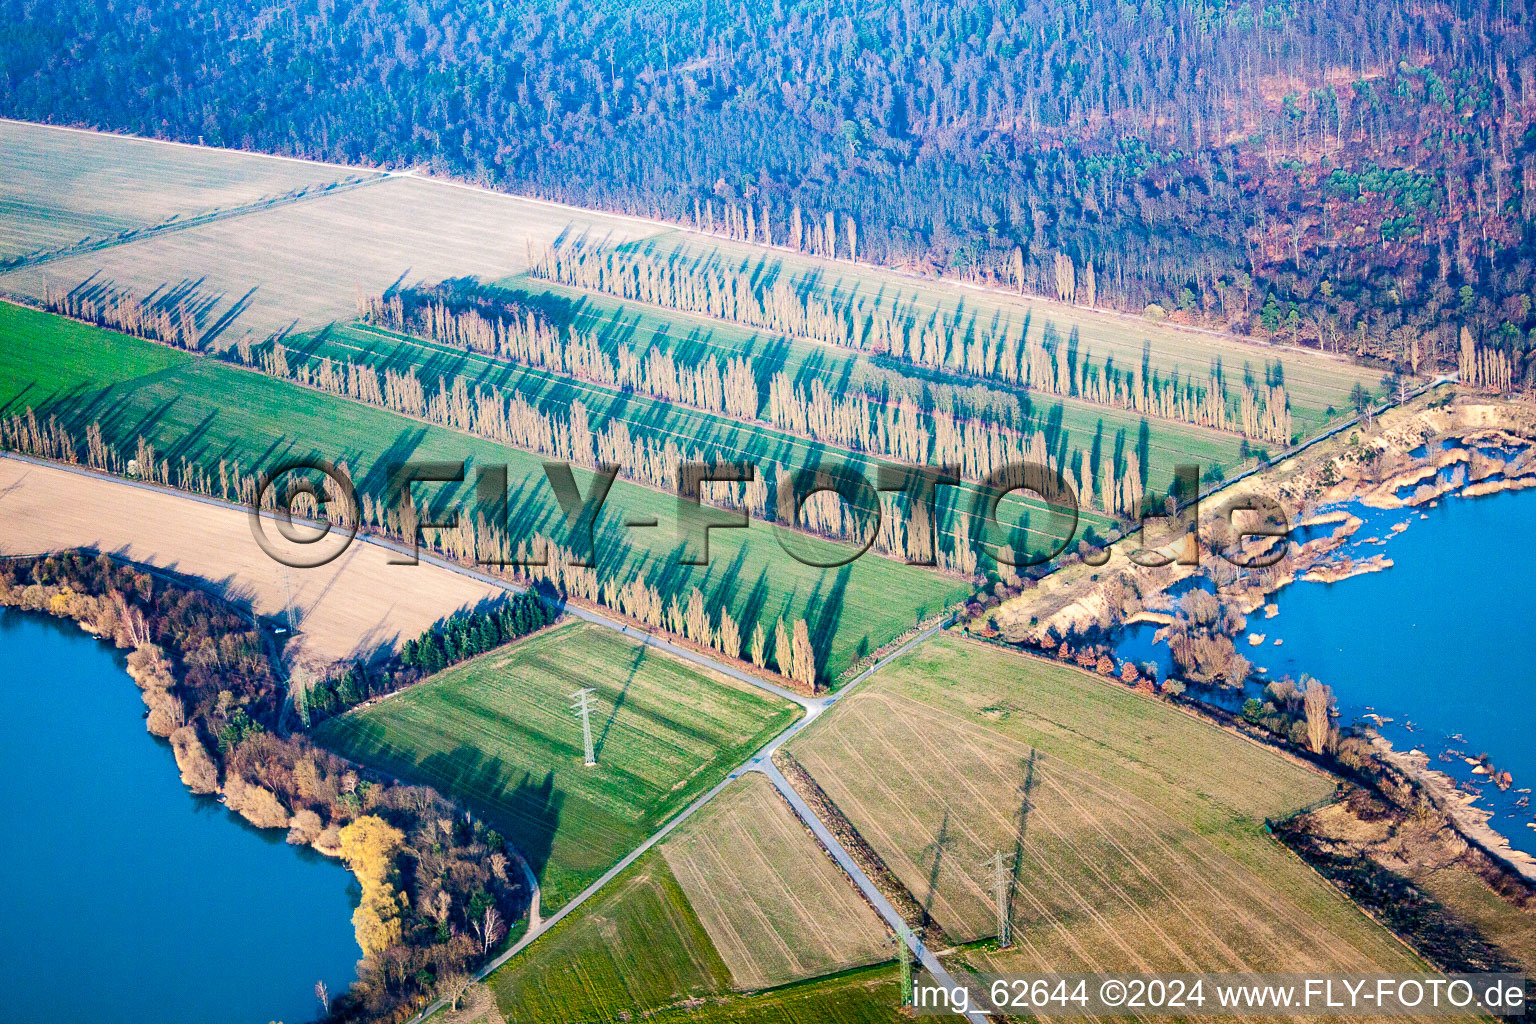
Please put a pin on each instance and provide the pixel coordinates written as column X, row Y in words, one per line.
column 1355, row 175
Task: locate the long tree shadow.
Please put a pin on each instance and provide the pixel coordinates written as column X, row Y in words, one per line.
column 941, row 842
column 828, row 613
column 1026, row 788
column 634, row 670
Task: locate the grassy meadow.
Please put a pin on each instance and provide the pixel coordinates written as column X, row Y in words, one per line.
column 1134, row 832
column 636, row 944
column 497, row 732
column 206, row 411
column 778, row 909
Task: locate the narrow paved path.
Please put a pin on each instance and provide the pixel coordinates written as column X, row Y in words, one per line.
column 759, row 762
column 930, row 962
column 762, row 761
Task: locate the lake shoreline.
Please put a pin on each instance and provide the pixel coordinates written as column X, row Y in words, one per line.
column 207, row 674
column 1436, row 447
column 166, row 875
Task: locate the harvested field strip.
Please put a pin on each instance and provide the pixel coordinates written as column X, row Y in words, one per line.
column 1093, row 891
column 1134, row 830
column 1133, row 819
column 497, row 733
column 776, row 906
column 1314, row 381
column 284, row 269
column 298, row 267
column 59, row 187
column 207, row 411
column 349, row 608
column 650, row 417
column 637, row 951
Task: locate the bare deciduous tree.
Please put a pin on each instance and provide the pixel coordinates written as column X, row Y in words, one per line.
column 489, row 929
column 453, row 988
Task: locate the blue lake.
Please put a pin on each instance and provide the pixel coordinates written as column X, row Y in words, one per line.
column 1441, row 643
column 128, row 899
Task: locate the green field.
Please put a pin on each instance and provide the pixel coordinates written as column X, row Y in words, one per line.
column 637, row 944
column 638, row 948
column 497, row 732
column 206, row 410
column 1133, row 832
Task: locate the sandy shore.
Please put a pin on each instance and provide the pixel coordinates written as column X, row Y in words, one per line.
column 350, row 607
column 1470, row 820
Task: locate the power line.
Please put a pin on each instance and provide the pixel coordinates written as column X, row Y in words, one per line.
column 583, row 707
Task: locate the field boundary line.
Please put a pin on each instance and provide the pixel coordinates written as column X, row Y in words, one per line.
column 1183, row 708
column 762, row 427
column 554, row 287
column 27, row 302
column 580, row 611
column 129, row 137
column 373, row 702
column 813, row 707
column 871, row 893
column 1336, row 890
column 1001, row 294
column 196, row 220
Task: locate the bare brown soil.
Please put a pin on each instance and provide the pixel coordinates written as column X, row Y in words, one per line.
column 1458, row 906
column 355, row 605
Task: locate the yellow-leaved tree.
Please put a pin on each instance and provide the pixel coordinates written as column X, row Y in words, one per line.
column 368, row 846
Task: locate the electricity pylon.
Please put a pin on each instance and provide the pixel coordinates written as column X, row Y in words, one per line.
column 288, row 603
column 583, row 707
column 904, row 958
column 1001, row 882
